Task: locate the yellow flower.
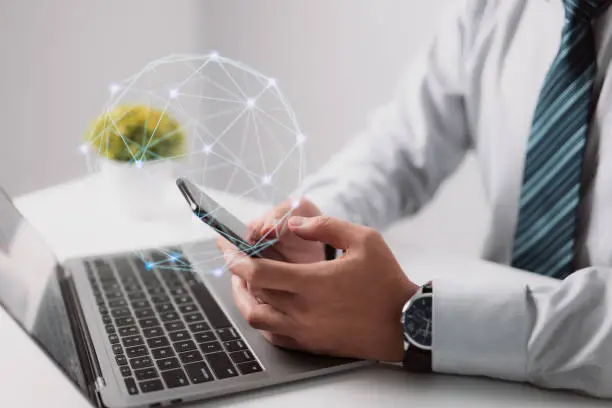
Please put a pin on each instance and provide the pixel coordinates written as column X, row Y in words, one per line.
column 136, row 132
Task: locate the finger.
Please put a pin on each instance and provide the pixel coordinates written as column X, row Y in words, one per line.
column 266, row 273
column 280, row 340
column 259, row 316
column 276, row 221
column 254, row 230
column 285, row 302
column 225, row 246
column 337, row 233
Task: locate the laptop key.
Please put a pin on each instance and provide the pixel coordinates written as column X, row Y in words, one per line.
column 132, row 287
column 160, row 299
column 211, row 347
column 149, row 322
column 152, row 332
column 125, row 371
column 198, row 372
column 163, row 352
column 113, row 338
column 130, row 384
column 168, row 363
column 183, row 346
column 164, row 307
column 203, row 337
column 172, row 326
column 199, row 327
column 110, row 329
column 221, row 365
column 168, row 316
column 140, row 304
column 215, row 315
column 242, row 356
column 151, row 385
column 137, row 351
column 132, row 341
column 112, row 295
column 141, row 313
column 146, row 374
column 113, row 304
column 179, row 336
column 124, row 321
column 175, row 378
column 178, row 292
column 157, row 342
column 137, row 296
column 181, row 300
column 234, row 345
column 250, row 367
column 189, row 308
column 117, row 349
column 121, row 360
column 228, row 334
column 155, row 290
column 128, row 331
column 141, row 362
column 193, row 317
column 121, row 312
column 107, row 320
column 190, row 356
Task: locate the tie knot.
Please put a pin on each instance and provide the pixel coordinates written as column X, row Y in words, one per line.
column 585, row 10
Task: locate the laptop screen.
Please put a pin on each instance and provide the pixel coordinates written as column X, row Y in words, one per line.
column 30, row 291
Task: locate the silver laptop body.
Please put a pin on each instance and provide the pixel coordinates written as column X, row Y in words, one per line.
column 178, row 340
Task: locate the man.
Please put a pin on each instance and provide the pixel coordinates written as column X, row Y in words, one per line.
column 523, row 84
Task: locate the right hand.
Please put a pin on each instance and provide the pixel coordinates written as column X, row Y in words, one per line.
column 292, row 247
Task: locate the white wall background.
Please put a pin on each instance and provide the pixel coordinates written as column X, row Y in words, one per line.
column 334, row 60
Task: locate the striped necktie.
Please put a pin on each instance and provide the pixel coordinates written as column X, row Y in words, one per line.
column 546, row 228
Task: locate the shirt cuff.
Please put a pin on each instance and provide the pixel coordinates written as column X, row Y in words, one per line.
column 480, row 329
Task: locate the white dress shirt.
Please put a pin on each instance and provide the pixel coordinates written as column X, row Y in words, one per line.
column 475, row 88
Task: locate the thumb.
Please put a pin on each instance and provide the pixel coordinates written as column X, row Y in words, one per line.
column 337, row 233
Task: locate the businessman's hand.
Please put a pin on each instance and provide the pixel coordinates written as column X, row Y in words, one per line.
column 347, row 307
column 274, row 225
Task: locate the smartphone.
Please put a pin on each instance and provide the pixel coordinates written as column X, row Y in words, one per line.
column 224, row 222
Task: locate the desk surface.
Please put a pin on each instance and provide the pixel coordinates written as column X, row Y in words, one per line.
column 73, row 227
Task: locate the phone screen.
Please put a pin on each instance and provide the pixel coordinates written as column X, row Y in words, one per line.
column 224, row 222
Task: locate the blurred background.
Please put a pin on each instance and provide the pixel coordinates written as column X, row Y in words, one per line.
column 334, row 60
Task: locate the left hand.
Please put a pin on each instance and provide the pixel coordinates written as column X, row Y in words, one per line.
column 348, row 307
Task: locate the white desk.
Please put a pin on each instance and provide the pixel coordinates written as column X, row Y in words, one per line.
column 75, row 219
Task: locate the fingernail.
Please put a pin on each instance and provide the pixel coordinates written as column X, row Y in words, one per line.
column 297, row 221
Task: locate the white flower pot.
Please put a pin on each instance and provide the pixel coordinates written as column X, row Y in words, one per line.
column 144, row 192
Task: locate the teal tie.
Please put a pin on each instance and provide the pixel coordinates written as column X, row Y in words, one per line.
column 546, row 229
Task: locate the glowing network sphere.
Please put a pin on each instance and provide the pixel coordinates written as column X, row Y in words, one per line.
column 241, row 134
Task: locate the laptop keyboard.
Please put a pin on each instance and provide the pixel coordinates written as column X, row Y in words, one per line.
column 164, row 327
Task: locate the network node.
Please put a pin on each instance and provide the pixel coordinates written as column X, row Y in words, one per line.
column 266, row 179
column 173, row 93
column 300, row 138
column 295, row 203
column 113, row 88
column 173, row 258
column 271, row 82
column 207, row 149
column 139, row 164
column 217, row 272
column 84, row 148
column 148, row 266
column 214, row 56
column 250, row 103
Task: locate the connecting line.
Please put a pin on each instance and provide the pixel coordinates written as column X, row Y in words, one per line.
column 231, row 78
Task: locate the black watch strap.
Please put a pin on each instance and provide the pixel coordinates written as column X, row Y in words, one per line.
column 330, row 252
column 417, row 360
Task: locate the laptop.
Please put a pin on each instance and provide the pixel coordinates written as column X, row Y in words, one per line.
column 140, row 330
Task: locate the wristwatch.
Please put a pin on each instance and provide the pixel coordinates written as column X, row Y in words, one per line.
column 417, row 327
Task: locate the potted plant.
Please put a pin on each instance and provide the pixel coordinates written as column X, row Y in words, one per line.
column 136, row 146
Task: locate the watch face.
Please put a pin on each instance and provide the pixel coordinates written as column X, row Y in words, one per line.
column 417, row 321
